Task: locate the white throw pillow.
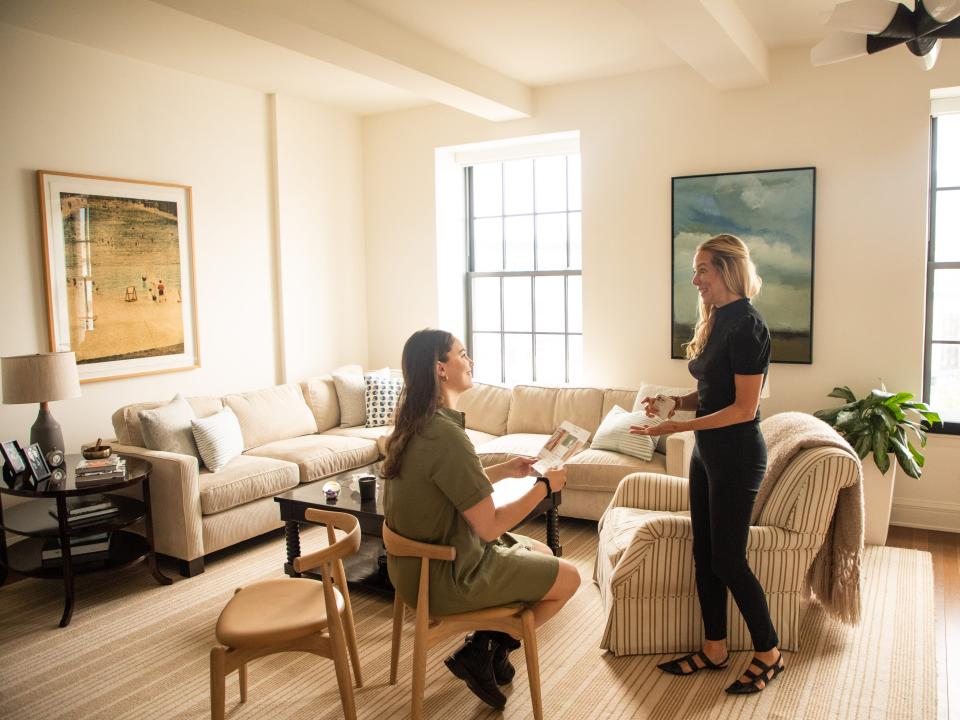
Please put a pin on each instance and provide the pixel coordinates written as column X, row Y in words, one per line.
column 614, row 434
column 650, row 390
column 168, row 427
column 381, row 399
column 351, row 393
column 218, row 438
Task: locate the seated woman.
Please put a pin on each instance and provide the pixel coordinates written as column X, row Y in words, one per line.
column 437, row 492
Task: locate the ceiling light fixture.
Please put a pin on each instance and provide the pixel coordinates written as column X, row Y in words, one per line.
column 864, row 27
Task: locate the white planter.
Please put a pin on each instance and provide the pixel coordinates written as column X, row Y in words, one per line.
column 877, row 500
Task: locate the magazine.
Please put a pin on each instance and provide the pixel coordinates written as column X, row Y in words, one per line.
column 566, row 441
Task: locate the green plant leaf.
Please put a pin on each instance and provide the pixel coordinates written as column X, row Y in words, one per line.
column 898, row 399
column 917, row 455
column 905, row 458
column 844, row 393
column 862, row 446
column 880, row 452
column 880, row 395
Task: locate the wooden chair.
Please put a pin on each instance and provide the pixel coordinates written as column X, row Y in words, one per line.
column 293, row 615
column 517, row 620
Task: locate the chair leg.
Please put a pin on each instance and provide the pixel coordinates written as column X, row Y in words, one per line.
column 351, row 633
column 243, row 682
column 342, row 666
column 218, row 666
column 395, row 642
column 419, row 664
column 533, row 662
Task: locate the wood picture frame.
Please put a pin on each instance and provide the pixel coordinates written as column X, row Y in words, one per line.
column 119, row 262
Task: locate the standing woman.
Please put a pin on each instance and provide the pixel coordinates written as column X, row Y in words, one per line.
column 437, row 492
column 729, row 355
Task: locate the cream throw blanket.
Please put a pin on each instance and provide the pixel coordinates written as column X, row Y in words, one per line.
column 834, row 575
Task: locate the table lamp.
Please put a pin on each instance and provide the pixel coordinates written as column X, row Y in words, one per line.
column 41, row 378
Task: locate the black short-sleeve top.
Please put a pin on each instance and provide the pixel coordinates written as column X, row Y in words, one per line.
column 739, row 344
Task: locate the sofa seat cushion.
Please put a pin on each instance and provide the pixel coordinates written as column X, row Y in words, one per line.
column 620, row 524
column 478, row 437
column 500, row 449
column 245, row 479
column 359, row 431
column 602, row 470
column 320, row 456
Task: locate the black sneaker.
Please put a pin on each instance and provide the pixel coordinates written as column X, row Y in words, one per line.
column 473, row 663
column 504, row 643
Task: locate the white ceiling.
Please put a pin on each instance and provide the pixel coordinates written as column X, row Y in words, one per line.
column 481, row 56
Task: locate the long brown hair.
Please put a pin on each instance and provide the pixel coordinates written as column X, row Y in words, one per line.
column 731, row 257
column 420, row 397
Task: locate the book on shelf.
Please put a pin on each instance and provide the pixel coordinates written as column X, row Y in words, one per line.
column 77, row 506
column 86, row 517
column 80, row 546
column 99, row 465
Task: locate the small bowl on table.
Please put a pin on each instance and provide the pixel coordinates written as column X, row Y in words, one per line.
column 94, row 452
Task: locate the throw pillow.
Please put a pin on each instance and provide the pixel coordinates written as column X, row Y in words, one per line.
column 219, row 438
column 351, row 393
column 650, row 390
column 614, row 434
column 381, row 399
column 168, row 428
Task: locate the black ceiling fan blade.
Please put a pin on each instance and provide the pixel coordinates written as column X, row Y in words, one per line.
column 875, row 43
column 903, row 25
column 950, row 30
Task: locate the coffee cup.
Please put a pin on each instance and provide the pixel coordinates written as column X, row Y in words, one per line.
column 368, row 487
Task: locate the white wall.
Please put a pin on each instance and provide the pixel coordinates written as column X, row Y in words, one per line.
column 863, row 124
column 71, row 108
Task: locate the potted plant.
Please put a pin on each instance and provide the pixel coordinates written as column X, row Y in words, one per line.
column 878, row 424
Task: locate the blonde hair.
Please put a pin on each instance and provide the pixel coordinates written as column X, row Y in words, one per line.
column 731, row 257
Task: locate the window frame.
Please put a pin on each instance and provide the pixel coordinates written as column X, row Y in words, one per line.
column 947, row 427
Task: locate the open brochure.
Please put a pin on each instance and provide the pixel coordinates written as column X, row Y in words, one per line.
column 566, row 441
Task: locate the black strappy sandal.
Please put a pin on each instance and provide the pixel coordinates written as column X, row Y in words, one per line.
column 767, row 674
column 675, row 667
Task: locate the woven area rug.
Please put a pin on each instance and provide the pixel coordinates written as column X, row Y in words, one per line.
column 138, row 650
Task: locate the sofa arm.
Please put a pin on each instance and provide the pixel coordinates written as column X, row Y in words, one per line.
column 679, row 451
column 174, row 501
column 652, row 491
column 665, row 528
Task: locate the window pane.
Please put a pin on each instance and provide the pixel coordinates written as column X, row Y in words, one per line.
column 947, row 228
column 575, row 344
column 519, row 240
column 552, row 241
column 574, row 304
column 486, row 189
column 517, row 187
column 948, row 150
column 519, row 358
column 551, row 359
column 486, row 304
column 517, row 304
column 488, row 244
column 576, row 251
column 550, row 300
column 945, row 381
column 550, row 180
column 573, row 182
column 946, row 305
column 486, row 357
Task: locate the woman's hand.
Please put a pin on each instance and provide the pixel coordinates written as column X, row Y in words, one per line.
column 519, row 467
column 665, row 428
column 557, row 478
column 651, row 409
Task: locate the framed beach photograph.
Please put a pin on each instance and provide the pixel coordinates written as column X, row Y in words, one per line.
column 773, row 212
column 120, row 274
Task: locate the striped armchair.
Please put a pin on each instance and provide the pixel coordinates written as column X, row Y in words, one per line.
column 644, row 564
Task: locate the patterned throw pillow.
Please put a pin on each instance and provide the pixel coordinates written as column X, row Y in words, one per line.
column 614, row 434
column 218, row 438
column 381, row 399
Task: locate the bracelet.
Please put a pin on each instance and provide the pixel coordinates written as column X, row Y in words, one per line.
column 545, row 481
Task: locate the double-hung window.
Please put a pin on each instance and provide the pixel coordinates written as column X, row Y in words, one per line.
column 941, row 364
column 523, row 284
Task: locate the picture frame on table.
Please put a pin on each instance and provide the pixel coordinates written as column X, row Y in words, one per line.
column 14, row 464
column 119, row 262
column 39, row 470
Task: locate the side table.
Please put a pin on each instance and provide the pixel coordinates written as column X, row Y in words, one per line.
column 34, row 521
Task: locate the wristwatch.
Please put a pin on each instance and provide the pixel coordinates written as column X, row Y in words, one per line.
column 546, row 481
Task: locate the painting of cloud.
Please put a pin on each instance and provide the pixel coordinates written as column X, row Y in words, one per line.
column 772, row 211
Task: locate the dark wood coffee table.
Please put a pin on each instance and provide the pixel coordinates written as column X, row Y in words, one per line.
column 368, row 568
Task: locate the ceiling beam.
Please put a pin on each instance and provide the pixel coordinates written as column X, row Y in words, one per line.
column 714, row 37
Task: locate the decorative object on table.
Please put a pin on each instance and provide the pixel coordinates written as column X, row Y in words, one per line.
column 39, row 470
column 97, row 451
column 367, row 485
column 93, row 472
column 331, row 489
column 54, row 458
column 772, row 211
column 41, row 378
column 864, row 27
column 120, row 274
column 14, row 465
column 877, row 424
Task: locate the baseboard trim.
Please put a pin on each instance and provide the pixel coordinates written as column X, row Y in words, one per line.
column 926, row 515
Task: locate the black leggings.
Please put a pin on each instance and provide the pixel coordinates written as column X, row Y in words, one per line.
column 725, row 473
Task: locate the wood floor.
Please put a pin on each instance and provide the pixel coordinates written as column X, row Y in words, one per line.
column 945, row 549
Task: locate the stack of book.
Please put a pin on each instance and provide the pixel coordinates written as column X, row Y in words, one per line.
column 88, row 510
column 83, row 549
column 92, row 472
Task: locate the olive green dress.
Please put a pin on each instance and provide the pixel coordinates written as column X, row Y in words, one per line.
column 440, row 477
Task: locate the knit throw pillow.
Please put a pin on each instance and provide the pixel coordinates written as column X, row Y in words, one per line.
column 381, row 399
column 614, row 434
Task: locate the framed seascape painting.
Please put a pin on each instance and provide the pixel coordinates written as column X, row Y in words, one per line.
column 772, row 211
column 120, row 275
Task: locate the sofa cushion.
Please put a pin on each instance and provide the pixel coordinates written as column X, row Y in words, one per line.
column 486, row 408
column 380, row 399
column 271, row 414
column 319, row 456
column 535, row 409
column 602, row 470
column 218, row 438
column 168, row 427
column 244, row 479
column 321, row 395
column 126, row 420
column 614, row 434
column 500, row 449
column 617, row 396
column 478, row 437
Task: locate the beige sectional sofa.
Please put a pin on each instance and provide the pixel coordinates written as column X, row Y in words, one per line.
column 292, row 435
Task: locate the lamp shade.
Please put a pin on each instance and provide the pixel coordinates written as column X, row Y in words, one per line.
column 39, row 378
